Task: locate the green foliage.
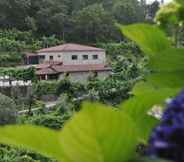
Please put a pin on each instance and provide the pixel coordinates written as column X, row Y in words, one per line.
column 85, row 142
column 68, row 19
column 8, row 59
column 128, row 11
column 8, row 154
column 72, row 89
column 110, row 91
column 128, row 68
column 149, row 38
column 145, row 97
column 19, row 74
column 170, row 18
column 170, row 14
column 44, row 88
column 65, row 106
column 11, row 154
column 35, row 140
column 7, row 110
column 14, row 43
column 47, row 120
column 165, row 78
column 114, row 50
column 152, row 9
column 46, row 42
column 180, row 1
column 100, row 133
column 53, row 118
column 170, row 58
column 100, row 28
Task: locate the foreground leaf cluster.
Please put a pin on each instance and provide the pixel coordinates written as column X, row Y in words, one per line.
column 99, row 133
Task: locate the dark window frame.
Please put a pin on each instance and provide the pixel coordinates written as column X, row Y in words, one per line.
column 42, row 57
column 51, row 57
column 95, row 57
column 74, row 57
column 85, row 57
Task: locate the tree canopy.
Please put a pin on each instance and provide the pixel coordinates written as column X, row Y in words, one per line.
column 69, row 19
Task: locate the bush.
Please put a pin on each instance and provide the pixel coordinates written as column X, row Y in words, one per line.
column 8, row 112
column 44, row 88
column 120, row 49
column 12, row 154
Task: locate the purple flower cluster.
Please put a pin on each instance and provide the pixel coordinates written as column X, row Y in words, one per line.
column 167, row 140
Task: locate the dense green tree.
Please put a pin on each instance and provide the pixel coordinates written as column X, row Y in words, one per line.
column 50, row 17
column 170, row 18
column 7, row 110
column 114, row 50
column 128, row 11
column 12, row 154
column 13, row 13
column 94, row 24
column 67, row 18
column 152, row 9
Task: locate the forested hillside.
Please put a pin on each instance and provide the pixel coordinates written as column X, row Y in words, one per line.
column 71, row 20
column 29, row 25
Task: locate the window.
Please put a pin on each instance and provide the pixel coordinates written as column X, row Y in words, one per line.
column 59, row 56
column 42, row 57
column 85, row 57
column 74, row 57
column 53, row 77
column 95, row 57
column 51, row 57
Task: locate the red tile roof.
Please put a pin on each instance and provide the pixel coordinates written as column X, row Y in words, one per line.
column 56, row 69
column 48, row 64
column 46, row 71
column 70, row 47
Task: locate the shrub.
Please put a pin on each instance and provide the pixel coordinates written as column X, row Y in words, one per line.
column 44, row 88
column 8, row 112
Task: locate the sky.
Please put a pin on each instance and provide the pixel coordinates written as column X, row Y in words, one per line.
column 166, row 1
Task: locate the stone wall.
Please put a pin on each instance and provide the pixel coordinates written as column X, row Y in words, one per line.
column 84, row 76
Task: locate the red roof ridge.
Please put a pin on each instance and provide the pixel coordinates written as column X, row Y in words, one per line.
column 70, row 47
column 53, row 69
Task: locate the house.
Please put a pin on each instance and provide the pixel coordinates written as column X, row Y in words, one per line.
column 78, row 62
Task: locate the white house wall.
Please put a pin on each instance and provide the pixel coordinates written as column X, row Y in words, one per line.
column 57, row 56
column 66, row 57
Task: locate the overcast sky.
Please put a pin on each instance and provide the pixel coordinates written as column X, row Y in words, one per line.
column 149, row 1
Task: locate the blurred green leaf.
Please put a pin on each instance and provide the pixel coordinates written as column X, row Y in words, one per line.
column 97, row 133
column 172, row 80
column 149, row 38
column 39, row 139
column 145, row 97
column 180, row 1
column 169, row 14
column 169, row 60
